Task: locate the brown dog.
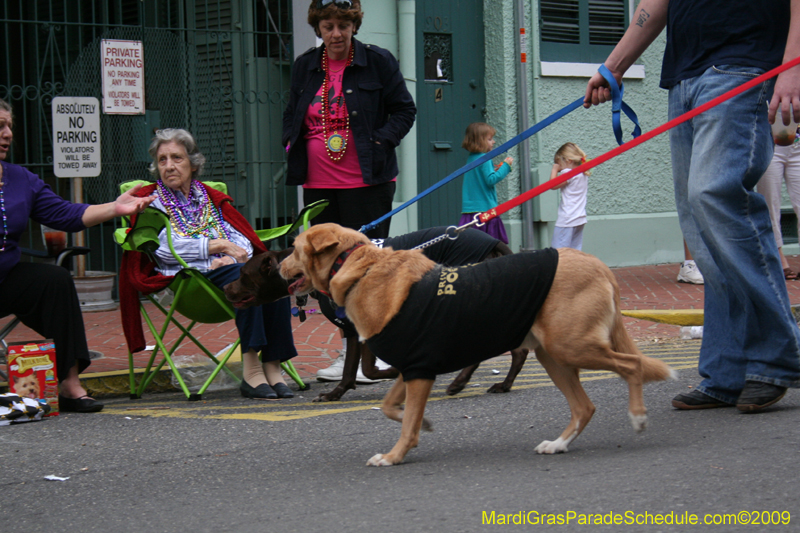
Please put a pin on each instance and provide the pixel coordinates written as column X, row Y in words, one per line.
column 261, row 283
column 563, row 304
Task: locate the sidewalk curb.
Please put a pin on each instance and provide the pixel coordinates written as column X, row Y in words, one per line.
column 681, row 317
column 115, row 384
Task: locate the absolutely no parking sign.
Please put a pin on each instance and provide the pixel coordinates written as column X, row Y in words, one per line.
column 76, row 137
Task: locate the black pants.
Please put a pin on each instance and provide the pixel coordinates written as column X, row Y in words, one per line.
column 44, row 298
column 352, row 208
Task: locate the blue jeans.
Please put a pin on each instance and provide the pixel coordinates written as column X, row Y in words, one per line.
column 717, row 159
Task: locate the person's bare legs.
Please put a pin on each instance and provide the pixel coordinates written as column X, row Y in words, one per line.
column 70, row 387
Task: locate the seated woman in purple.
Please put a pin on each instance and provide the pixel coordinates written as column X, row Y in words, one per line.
column 43, row 296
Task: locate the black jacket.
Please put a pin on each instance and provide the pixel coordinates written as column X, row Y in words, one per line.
column 380, row 106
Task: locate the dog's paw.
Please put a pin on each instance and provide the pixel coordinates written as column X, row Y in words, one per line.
column 454, row 388
column 326, row 398
column 550, row 447
column 378, row 460
column 499, row 387
column 639, row 422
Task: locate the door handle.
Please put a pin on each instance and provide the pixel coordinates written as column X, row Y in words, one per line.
column 441, row 146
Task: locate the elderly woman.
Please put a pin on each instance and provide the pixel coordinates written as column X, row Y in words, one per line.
column 210, row 235
column 43, row 296
column 348, row 110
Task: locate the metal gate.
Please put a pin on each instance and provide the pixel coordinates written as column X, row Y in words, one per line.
column 218, row 68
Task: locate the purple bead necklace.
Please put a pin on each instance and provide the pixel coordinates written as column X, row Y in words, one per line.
column 193, row 220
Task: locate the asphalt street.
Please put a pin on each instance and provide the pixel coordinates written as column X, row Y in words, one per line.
column 231, row 464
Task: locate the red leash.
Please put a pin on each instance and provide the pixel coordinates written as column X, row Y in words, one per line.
column 514, row 202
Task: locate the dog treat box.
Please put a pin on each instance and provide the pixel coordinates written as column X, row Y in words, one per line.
column 32, row 372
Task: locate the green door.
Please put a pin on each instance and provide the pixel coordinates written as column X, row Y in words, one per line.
column 450, row 95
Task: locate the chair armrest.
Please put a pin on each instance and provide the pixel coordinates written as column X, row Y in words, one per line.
column 65, row 254
column 308, row 212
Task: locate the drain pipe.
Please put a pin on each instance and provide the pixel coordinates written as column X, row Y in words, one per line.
column 407, row 151
column 528, row 235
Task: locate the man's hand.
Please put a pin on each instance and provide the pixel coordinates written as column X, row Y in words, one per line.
column 786, row 97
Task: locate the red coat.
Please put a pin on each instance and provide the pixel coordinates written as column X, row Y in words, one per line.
column 138, row 271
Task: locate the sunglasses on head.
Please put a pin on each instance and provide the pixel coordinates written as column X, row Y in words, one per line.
column 344, row 4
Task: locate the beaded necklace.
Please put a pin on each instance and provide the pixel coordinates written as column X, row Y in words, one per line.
column 189, row 219
column 335, row 143
column 3, row 213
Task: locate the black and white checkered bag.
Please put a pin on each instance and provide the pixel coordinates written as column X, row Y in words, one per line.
column 14, row 409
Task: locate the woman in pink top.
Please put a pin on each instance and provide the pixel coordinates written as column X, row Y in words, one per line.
column 348, row 109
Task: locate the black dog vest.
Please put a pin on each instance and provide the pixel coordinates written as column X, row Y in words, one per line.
column 457, row 317
column 471, row 246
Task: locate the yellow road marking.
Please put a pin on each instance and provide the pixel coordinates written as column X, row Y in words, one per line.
column 533, row 376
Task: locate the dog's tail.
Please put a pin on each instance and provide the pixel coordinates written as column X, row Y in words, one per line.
column 652, row 369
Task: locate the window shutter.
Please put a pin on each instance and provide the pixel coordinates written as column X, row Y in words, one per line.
column 580, row 31
column 560, row 21
column 606, row 21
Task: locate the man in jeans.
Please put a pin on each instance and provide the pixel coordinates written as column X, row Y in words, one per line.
column 751, row 344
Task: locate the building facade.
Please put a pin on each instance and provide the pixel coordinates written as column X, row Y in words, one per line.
column 221, row 68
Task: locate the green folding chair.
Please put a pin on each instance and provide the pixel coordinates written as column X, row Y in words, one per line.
column 195, row 297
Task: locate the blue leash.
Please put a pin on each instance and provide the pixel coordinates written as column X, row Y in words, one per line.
column 481, row 160
column 617, row 105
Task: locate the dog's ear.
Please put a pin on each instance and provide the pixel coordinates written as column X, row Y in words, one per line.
column 318, row 242
column 268, row 264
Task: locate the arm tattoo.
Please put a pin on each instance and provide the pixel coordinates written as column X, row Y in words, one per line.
column 643, row 16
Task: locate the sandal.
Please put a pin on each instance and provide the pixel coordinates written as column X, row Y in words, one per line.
column 789, row 274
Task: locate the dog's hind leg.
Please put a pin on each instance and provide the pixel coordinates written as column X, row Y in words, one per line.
column 417, row 392
column 580, row 406
column 518, row 358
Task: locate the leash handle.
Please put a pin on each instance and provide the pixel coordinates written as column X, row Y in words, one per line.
column 617, row 105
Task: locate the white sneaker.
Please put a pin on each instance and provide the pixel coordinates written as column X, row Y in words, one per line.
column 333, row 372
column 689, row 273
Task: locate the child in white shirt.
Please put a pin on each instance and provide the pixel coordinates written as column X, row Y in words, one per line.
column 571, row 219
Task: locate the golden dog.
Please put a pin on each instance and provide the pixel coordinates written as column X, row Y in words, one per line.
column 576, row 324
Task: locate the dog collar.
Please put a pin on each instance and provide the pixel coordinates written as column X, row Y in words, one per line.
column 341, row 259
column 338, row 264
